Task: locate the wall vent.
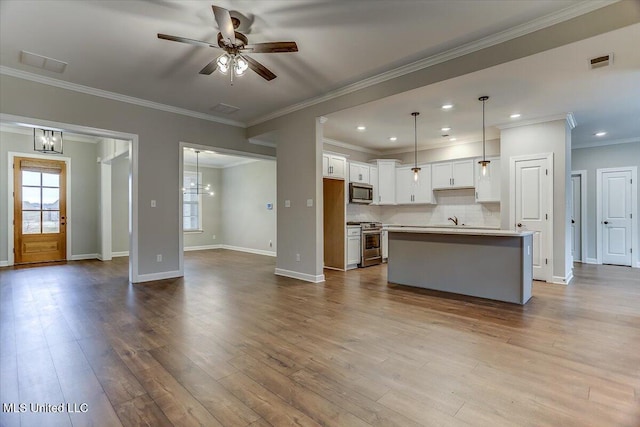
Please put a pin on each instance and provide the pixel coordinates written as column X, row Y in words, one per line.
column 35, row 60
column 225, row 109
column 601, row 61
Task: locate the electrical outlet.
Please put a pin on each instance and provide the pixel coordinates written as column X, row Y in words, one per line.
column 159, row 258
column 214, row 237
column 153, row 204
column 297, row 257
column 287, row 203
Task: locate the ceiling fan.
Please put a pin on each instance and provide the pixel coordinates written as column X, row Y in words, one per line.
column 235, row 45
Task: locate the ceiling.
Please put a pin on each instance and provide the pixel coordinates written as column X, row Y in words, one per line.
column 112, row 45
column 548, row 84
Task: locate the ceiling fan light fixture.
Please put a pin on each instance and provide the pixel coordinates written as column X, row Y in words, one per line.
column 240, row 65
column 223, row 63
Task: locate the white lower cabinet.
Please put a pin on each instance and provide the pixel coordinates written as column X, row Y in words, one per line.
column 409, row 191
column 353, row 247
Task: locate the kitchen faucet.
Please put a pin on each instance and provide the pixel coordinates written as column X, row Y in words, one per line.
column 454, row 220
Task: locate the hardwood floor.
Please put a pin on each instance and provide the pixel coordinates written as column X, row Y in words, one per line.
column 232, row 344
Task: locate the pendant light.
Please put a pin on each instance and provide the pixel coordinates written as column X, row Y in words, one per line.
column 484, row 162
column 415, row 167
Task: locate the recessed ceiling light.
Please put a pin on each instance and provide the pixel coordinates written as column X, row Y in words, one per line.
column 445, row 129
column 361, row 128
column 601, row 133
column 515, row 116
column 452, row 139
column 447, row 106
column 393, row 138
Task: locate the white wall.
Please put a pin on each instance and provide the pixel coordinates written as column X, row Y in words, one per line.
column 548, row 137
column 120, row 204
column 246, row 190
column 83, row 211
column 591, row 159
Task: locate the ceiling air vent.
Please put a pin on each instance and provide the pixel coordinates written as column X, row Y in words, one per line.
column 35, row 60
column 225, row 109
column 601, row 61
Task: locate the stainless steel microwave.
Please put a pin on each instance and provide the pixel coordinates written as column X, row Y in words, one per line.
column 360, row 193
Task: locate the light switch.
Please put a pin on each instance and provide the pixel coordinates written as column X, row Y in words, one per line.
column 153, row 203
column 309, row 203
column 287, row 203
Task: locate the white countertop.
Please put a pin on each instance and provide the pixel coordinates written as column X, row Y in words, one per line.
column 459, row 230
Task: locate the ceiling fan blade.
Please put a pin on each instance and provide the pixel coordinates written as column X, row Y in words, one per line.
column 210, row 67
column 272, row 47
column 186, row 40
column 263, row 71
column 223, row 18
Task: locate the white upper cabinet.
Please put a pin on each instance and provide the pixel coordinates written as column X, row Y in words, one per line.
column 385, row 185
column 456, row 174
column 488, row 186
column 373, row 180
column 334, row 166
column 408, row 191
column 359, row 172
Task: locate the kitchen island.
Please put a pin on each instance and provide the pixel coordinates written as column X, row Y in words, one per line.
column 486, row 263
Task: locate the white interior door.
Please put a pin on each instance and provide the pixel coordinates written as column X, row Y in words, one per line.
column 616, row 217
column 576, row 218
column 532, row 186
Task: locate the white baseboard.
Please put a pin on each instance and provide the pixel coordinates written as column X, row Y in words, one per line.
column 249, row 250
column 80, row 257
column 301, row 276
column 4, row 263
column 592, row 261
column 157, row 276
column 201, row 248
column 559, row 280
column 119, row 254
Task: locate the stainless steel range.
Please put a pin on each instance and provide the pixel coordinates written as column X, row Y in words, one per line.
column 371, row 240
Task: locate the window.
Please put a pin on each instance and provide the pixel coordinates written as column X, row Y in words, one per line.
column 191, row 203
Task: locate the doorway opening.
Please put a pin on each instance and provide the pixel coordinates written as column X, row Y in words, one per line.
column 228, row 201
column 84, row 215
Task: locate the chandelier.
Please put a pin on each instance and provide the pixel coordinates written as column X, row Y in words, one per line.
column 47, row 141
column 195, row 188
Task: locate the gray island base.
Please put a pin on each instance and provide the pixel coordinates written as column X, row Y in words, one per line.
column 493, row 264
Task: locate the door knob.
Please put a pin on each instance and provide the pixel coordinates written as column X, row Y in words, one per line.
column 519, row 225
column 573, row 221
column 606, row 222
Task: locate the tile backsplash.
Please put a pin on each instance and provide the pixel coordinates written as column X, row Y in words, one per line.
column 460, row 203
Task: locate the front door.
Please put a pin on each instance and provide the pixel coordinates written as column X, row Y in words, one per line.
column 576, row 217
column 532, row 214
column 616, row 217
column 39, row 210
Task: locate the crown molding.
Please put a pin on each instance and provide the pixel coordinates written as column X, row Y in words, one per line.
column 593, row 144
column 492, row 40
column 353, row 147
column 263, row 143
column 568, row 117
column 12, row 72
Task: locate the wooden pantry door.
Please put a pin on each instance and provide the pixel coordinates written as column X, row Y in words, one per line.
column 39, row 210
